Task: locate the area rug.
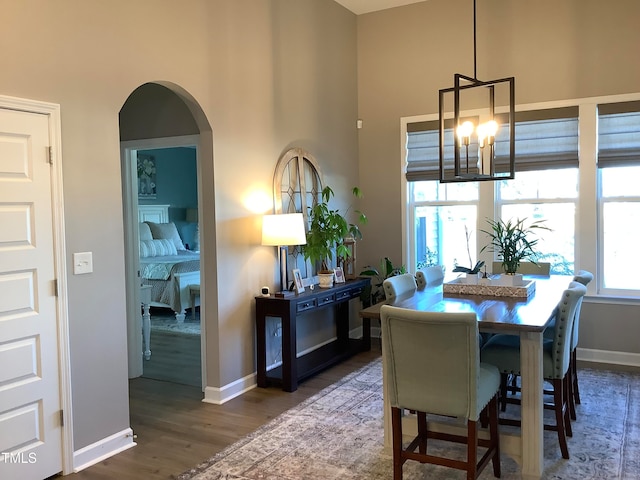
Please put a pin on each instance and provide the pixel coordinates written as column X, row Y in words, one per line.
column 338, row 434
column 169, row 324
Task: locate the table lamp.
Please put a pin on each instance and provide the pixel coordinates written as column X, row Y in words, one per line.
column 282, row 230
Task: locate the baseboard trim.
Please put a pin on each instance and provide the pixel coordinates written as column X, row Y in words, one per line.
column 218, row 396
column 608, row 356
column 103, row 449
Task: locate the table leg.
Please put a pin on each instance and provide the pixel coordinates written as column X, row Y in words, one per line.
column 146, row 331
column 532, row 404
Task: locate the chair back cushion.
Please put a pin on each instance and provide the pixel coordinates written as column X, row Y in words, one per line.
column 432, row 362
column 584, row 277
column 399, row 285
column 430, row 276
column 565, row 314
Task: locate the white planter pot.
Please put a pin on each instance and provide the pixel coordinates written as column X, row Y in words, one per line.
column 509, row 280
column 472, row 278
column 326, row 280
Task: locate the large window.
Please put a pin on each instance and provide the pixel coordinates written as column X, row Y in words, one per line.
column 577, row 167
column 619, row 199
column 444, row 216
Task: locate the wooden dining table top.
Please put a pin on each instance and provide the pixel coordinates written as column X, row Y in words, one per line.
column 495, row 314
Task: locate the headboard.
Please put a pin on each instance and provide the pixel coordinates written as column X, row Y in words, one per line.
column 153, row 213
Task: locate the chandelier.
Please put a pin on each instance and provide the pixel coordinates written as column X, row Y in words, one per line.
column 477, row 139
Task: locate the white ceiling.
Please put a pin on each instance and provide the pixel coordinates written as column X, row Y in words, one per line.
column 365, row 6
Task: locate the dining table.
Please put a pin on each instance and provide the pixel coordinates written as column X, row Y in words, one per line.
column 527, row 317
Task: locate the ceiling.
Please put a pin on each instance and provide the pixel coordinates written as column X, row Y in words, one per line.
column 365, row 6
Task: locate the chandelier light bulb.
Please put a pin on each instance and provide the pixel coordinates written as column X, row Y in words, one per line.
column 464, row 132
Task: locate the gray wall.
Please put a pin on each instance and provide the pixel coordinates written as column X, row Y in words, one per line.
column 556, row 50
column 261, row 76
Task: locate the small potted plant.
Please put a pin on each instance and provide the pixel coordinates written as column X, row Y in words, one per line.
column 473, row 271
column 327, row 230
column 512, row 241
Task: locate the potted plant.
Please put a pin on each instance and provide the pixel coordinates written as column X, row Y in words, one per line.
column 472, row 271
column 387, row 269
column 328, row 228
column 512, row 241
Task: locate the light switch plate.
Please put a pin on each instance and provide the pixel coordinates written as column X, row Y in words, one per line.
column 82, row 263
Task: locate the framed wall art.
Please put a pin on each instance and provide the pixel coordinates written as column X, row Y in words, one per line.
column 146, row 177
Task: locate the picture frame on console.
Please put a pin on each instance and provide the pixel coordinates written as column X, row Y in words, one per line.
column 297, row 280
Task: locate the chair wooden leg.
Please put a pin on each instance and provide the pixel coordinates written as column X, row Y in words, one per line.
column 574, row 368
column 472, row 449
column 503, row 391
column 570, row 397
column 422, row 432
column 560, row 426
column 566, row 407
column 396, row 428
column 494, row 435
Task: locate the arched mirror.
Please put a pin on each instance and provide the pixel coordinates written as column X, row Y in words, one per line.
column 297, row 185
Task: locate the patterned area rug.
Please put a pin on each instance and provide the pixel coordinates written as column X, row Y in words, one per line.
column 168, row 323
column 338, row 434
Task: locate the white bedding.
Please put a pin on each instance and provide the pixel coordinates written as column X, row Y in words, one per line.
column 159, row 272
column 161, row 268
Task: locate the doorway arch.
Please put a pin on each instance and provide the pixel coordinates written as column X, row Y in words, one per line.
column 159, row 115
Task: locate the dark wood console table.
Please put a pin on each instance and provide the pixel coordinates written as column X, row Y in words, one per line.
column 295, row 369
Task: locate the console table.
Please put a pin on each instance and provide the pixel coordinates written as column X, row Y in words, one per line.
column 294, row 369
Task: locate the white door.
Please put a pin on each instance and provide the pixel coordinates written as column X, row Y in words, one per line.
column 30, row 420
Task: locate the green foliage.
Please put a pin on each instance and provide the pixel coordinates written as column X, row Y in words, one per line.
column 386, row 270
column 512, row 242
column 430, row 259
column 327, row 230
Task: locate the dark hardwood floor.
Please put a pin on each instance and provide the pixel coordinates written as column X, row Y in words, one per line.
column 175, row 430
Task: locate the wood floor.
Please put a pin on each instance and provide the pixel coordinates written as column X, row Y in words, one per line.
column 176, row 430
column 174, row 358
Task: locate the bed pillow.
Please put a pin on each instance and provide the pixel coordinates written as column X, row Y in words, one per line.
column 144, row 231
column 168, row 231
column 157, row 248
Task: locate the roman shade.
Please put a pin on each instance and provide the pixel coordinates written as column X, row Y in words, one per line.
column 619, row 134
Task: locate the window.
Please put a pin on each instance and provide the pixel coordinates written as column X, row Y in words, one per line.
column 546, row 185
column 619, row 199
column 439, row 213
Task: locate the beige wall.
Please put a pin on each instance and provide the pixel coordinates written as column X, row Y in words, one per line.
column 268, row 75
column 556, row 50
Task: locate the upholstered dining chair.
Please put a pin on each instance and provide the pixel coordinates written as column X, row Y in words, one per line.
column 503, row 351
column 430, row 276
column 399, row 285
column 432, row 366
column 584, row 277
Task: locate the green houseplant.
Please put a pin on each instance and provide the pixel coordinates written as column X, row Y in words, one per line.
column 512, row 241
column 328, row 228
column 386, row 270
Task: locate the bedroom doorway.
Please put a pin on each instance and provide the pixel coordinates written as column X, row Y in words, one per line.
column 173, row 349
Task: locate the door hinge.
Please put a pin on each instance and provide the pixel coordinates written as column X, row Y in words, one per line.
column 62, row 418
column 55, row 287
column 50, row 153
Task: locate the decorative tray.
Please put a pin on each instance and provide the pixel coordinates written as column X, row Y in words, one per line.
column 460, row 287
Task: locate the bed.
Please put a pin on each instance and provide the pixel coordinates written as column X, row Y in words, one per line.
column 165, row 264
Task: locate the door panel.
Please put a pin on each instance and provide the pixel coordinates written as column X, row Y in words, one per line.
column 30, row 425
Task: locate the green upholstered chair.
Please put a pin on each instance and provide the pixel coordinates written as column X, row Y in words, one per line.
column 430, row 276
column 399, row 285
column 432, row 366
column 584, row 277
column 503, row 351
